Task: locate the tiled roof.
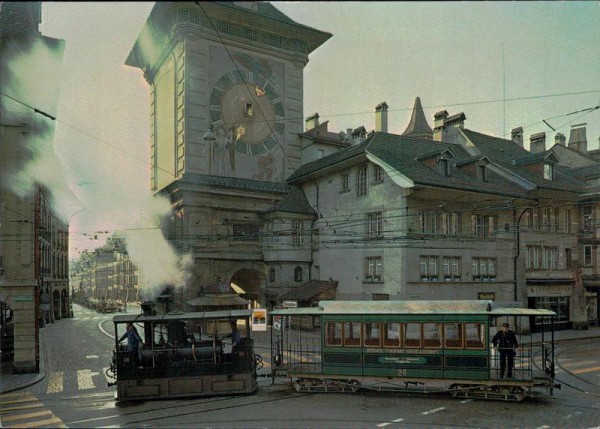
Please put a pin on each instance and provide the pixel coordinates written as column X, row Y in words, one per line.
column 329, row 160
column 294, row 202
column 308, row 290
column 588, row 171
column 404, row 153
column 401, row 153
column 314, row 37
column 513, row 157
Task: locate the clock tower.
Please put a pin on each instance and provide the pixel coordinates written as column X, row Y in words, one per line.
column 226, row 83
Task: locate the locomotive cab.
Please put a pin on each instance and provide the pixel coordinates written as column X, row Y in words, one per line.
column 184, row 354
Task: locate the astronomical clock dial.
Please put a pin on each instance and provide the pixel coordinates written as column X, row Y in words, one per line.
column 247, row 104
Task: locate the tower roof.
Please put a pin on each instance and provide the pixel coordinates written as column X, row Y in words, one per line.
column 418, row 126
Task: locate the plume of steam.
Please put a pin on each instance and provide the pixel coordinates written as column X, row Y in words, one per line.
column 79, row 170
column 30, row 78
column 158, row 263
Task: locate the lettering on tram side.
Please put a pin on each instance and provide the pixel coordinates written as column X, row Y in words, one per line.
column 403, row 359
column 405, row 351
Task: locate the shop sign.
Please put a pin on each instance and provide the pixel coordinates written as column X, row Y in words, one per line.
column 23, row 298
column 564, row 290
column 486, row 296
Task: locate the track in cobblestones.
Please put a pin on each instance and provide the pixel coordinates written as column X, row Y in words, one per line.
column 574, row 374
column 186, row 408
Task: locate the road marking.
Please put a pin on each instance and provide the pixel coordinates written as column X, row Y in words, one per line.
column 397, row 420
column 21, row 407
column 92, row 357
column 42, row 423
column 21, row 414
column 435, row 410
column 584, row 370
column 382, row 425
column 56, row 382
column 84, row 379
column 465, row 401
column 25, row 416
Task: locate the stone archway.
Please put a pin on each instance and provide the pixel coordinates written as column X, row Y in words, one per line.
column 250, row 284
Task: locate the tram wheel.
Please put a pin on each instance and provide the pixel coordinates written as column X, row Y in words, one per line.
column 354, row 386
column 455, row 389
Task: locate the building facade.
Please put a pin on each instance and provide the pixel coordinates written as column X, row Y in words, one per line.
column 33, row 240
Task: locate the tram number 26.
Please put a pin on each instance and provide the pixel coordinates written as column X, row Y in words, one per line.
column 402, row 372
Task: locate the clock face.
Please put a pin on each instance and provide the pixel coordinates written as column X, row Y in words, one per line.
column 247, row 106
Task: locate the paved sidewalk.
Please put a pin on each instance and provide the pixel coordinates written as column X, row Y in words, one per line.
column 12, row 382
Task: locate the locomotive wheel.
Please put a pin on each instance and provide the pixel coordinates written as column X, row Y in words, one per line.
column 298, row 384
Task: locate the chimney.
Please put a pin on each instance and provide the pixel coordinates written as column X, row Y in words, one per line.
column 537, row 142
column 312, row 122
column 578, row 139
column 438, row 125
column 381, row 117
column 516, row 136
column 560, row 139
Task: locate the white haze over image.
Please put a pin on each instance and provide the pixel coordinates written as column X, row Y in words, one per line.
column 97, row 177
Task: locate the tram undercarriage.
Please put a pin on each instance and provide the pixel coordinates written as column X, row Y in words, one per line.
column 495, row 390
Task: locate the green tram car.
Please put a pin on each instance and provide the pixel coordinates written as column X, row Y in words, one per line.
column 184, row 355
column 413, row 346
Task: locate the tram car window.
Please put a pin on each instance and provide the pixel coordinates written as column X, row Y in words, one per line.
column 334, row 334
column 453, row 335
column 412, row 335
column 432, row 338
column 391, row 334
column 372, row 334
column 352, row 334
column 475, row 335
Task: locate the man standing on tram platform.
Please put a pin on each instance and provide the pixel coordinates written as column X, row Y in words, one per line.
column 506, row 343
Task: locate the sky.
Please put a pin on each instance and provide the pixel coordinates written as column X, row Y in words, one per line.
column 504, row 64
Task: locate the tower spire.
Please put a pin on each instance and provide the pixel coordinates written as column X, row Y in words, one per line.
column 418, row 126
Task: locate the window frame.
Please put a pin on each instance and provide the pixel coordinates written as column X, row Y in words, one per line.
column 374, row 268
column 361, row 181
column 375, row 225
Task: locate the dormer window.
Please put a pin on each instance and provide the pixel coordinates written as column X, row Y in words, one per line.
column 444, row 166
column 482, row 173
column 548, row 171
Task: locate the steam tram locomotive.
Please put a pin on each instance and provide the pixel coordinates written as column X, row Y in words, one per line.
column 184, row 355
column 424, row 346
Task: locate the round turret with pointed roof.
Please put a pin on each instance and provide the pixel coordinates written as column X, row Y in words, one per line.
column 418, row 126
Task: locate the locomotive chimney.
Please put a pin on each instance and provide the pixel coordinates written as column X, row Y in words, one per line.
column 148, row 308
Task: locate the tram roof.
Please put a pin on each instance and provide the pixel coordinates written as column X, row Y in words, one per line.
column 221, row 314
column 413, row 307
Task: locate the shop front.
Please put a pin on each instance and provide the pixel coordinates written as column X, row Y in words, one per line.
column 557, row 298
